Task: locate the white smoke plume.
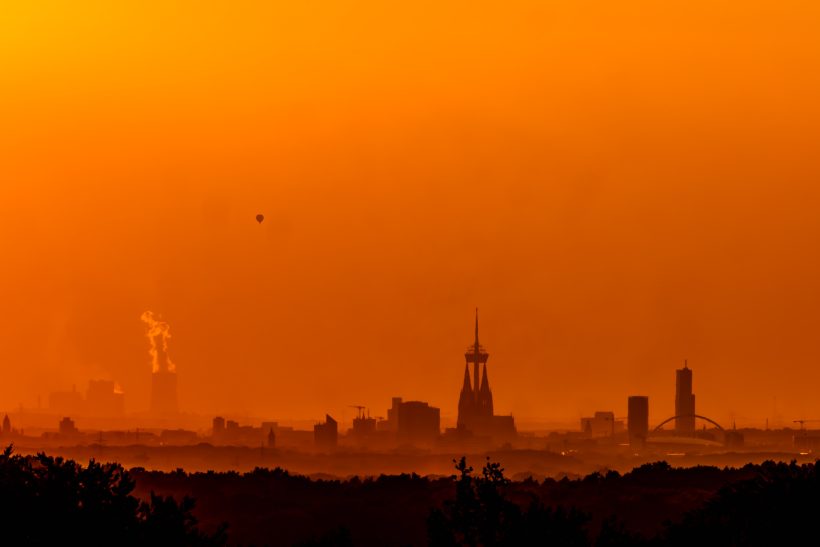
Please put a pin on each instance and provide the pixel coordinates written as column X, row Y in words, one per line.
column 158, row 334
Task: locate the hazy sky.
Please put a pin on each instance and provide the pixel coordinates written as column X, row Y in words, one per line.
column 616, row 185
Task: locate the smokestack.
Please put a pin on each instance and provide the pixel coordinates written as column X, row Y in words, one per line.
column 164, row 376
column 158, row 334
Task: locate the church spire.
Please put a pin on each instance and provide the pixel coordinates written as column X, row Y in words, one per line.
column 466, row 386
column 485, row 395
column 466, row 402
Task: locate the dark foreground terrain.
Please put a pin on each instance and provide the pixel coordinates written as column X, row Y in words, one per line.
column 51, row 501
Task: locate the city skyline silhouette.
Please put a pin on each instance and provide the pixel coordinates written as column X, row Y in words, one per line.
column 536, row 272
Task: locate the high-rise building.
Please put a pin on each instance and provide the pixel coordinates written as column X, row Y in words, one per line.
column 637, row 421
column 684, row 401
column 475, row 403
column 218, row 426
column 417, row 422
column 327, row 434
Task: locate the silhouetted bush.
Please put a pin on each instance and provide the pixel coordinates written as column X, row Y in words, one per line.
column 52, row 501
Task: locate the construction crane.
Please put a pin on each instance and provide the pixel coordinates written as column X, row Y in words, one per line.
column 801, row 422
column 359, row 410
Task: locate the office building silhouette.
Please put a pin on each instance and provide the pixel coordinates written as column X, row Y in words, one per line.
column 684, row 401
column 326, row 435
column 416, row 422
column 637, row 420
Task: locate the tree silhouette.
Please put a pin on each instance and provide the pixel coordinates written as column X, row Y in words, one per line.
column 483, row 515
column 49, row 501
column 776, row 507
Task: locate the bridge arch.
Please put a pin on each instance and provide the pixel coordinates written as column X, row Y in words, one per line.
column 666, row 421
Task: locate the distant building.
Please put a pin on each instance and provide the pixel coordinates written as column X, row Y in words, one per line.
column 66, row 402
column 392, row 421
column 734, row 438
column 240, row 434
column 684, row 401
column 6, row 425
column 601, row 424
column 638, row 420
column 67, row 427
column 271, row 438
column 326, row 434
column 178, row 437
column 104, row 398
column 805, row 439
column 231, row 432
column 416, row 422
column 218, row 426
column 363, row 426
column 475, row 403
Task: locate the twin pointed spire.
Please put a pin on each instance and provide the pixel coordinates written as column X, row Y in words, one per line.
column 476, row 399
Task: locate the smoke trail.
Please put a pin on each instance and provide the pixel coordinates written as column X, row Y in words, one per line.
column 158, row 334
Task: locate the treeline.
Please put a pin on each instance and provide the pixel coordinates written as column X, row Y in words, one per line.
column 774, row 505
column 653, row 505
column 52, row 501
column 47, row 501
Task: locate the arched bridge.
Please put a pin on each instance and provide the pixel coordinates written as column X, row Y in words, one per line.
column 698, row 416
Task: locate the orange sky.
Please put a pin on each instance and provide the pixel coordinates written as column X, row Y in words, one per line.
column 617, row 185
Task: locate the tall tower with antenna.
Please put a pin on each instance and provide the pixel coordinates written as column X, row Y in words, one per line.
column 475, row 403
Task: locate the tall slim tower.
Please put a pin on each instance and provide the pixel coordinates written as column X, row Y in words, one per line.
column 475, row 404
column 684, row 401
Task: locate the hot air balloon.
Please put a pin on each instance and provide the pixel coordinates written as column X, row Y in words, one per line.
column 260, row 218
